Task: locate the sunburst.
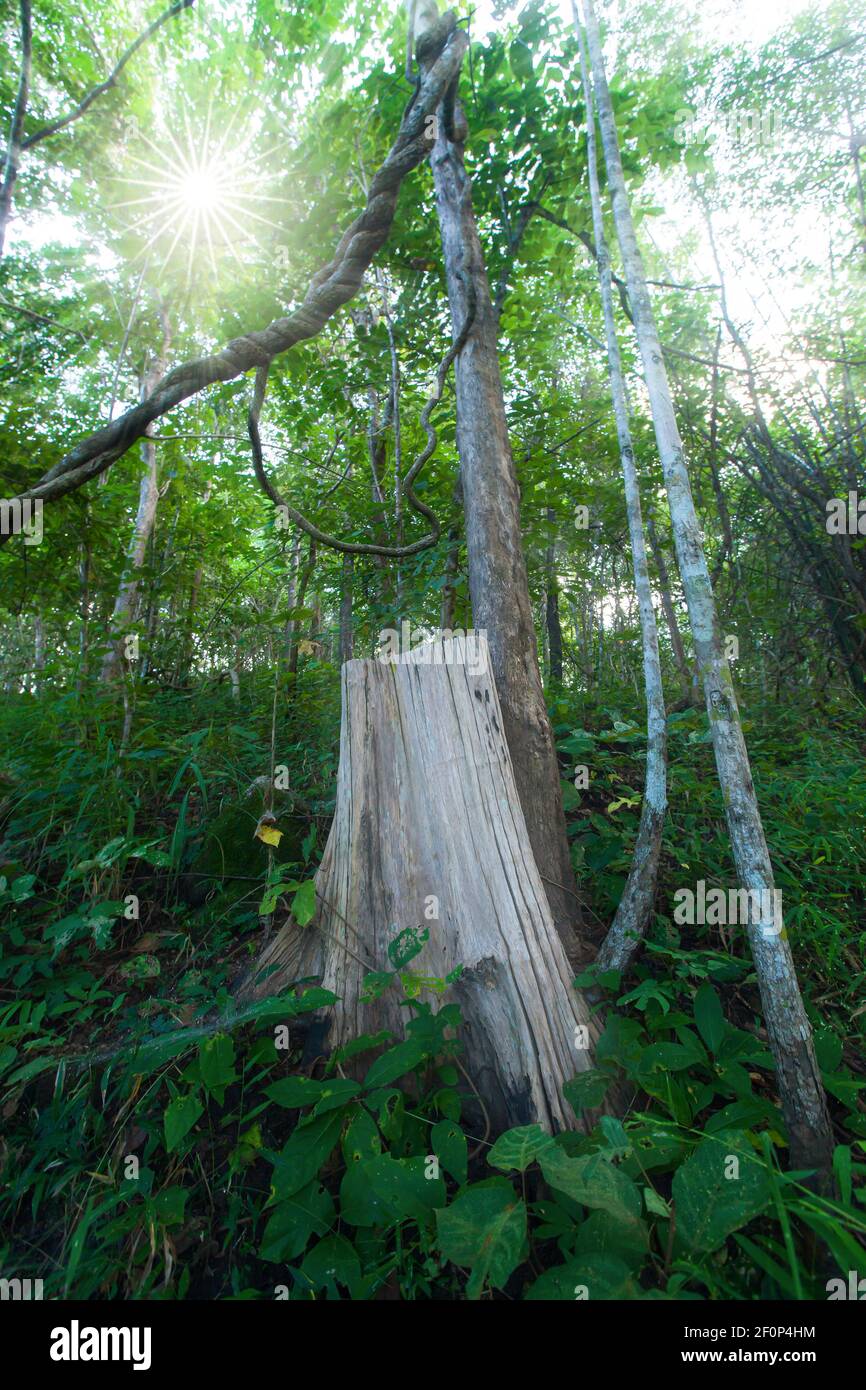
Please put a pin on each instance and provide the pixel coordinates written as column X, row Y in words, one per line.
column 205, row 196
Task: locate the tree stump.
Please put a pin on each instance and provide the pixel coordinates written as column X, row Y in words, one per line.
column 428, row 832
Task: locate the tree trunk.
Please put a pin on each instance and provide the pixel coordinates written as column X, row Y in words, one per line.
column 428, row 832
column 126, row 603
column 16, row 127
column 292, row 593
column 347, row 636
column 669, row 611
column 498, row 584
column 635, row 906
column 448, row 611
column 801, row 1090
column 551, row 605
column 306, row 576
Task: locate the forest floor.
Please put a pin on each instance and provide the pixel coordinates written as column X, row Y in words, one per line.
column 158, row 1143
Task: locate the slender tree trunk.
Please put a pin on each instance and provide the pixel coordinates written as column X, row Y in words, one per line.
column 790, row 1034
column 83, row 609
column 306, row 576
column 347, row 636
column 452, row 561
column 551, row 605
column 16, row 128
column 292, row 593
column 126, row 603
column 635, row 907
column 669, row 611
column 498, row 584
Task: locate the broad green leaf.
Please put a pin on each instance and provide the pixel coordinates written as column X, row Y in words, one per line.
column 721, row 1187
column 448, row 1143
column 709, row 1018
column 484, row 1230
column 404, row 1186
column 517, row 1148
column 294, row 1220
column 332, row 1261
column 396, row 1062
column 590, row 1277
column 179, row 1119
column 304, row 903
column 587, row 1090
column 306, row 1152
column 216, row 1057
column 592, row 1181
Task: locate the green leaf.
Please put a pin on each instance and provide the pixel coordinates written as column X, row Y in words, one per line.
column 587, row 1090
column 406, row 945
column 517, row 1148
column 709, row 1019
column 448, row 1143
column 403, row 1185
column 718, row 1189
column 484, row 1230
column 304, row 903
column 216, row 1058
column 294, row 1091
column 294, row 1220
column 332, row 1261
column 362, row 1139
column 305, row 1154
column 179, row 1119
column 396, row 1062
column 591, row 1277
column 592, row 1181
column 360, row 1204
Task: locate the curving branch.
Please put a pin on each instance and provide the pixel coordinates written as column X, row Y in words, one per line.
column 330, row 288
column 393, row 552
column 110, row 81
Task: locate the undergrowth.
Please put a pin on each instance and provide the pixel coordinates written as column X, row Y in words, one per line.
column 158, row 1142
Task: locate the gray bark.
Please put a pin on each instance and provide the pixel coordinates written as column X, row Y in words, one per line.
column 16, row 130
column 126, row 603
column 799, row 1082
column 498, row 583
column 428, row 832
column 633, row 912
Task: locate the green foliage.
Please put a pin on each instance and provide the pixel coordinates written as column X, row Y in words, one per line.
column 158, row 1141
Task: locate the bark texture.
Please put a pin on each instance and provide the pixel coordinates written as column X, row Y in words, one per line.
column 789, row 1031
column 635, row 906
column 498, row 584
column 428, row 820
column 126, row 603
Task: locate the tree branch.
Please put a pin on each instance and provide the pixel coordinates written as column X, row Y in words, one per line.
column 393, row 552
column 330, row 288
column 96, row 92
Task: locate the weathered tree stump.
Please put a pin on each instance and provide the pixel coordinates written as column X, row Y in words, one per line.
column 428, row 821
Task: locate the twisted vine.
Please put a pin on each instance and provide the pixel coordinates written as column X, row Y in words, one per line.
column 392, row 552
column 331, row 287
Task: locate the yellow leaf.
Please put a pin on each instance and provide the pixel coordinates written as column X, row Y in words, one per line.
column 269, row 833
